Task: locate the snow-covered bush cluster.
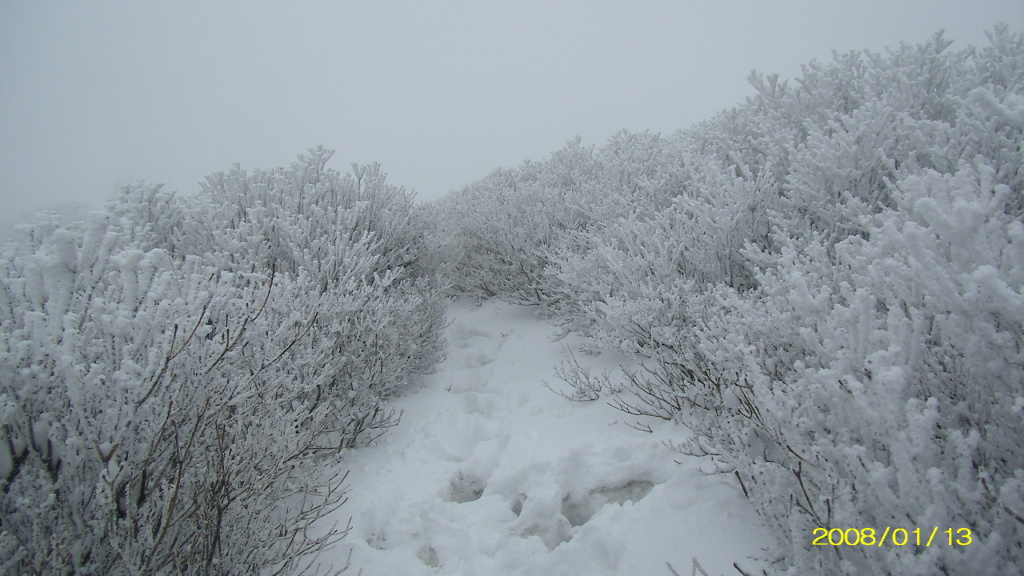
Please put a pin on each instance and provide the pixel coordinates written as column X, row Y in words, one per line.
column 826, row 285
column 179, row 375
column 498, row 234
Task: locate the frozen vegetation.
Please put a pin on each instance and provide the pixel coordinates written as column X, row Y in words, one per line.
column 825, row 285
column 180, row 373
column 810, row 309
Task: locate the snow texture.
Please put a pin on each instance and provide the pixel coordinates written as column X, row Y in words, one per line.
column 489, row 472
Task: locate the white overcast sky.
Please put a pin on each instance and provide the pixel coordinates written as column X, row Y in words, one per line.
column 96, row 94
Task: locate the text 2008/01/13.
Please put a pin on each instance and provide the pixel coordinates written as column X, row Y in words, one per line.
column 892, row 536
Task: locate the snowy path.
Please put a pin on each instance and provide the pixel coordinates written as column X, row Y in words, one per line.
column 490, row 473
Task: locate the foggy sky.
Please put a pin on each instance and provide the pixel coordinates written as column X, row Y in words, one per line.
column 97, row 94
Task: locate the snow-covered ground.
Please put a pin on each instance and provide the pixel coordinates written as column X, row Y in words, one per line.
column 490, row 473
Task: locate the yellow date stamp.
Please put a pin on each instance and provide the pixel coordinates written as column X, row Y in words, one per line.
column 892, row 536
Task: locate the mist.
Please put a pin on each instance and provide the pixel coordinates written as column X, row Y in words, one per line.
column 94, row 96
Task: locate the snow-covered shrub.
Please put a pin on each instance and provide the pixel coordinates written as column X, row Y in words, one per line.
column 358, row 246
column 136, row 439
column 173, row 380
column 874, row 376
column 585, row 384
column 503, row 228
column 883, row 386
column 582, row 226
column 304, row 218
column 824, row 283
column 625, row 277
